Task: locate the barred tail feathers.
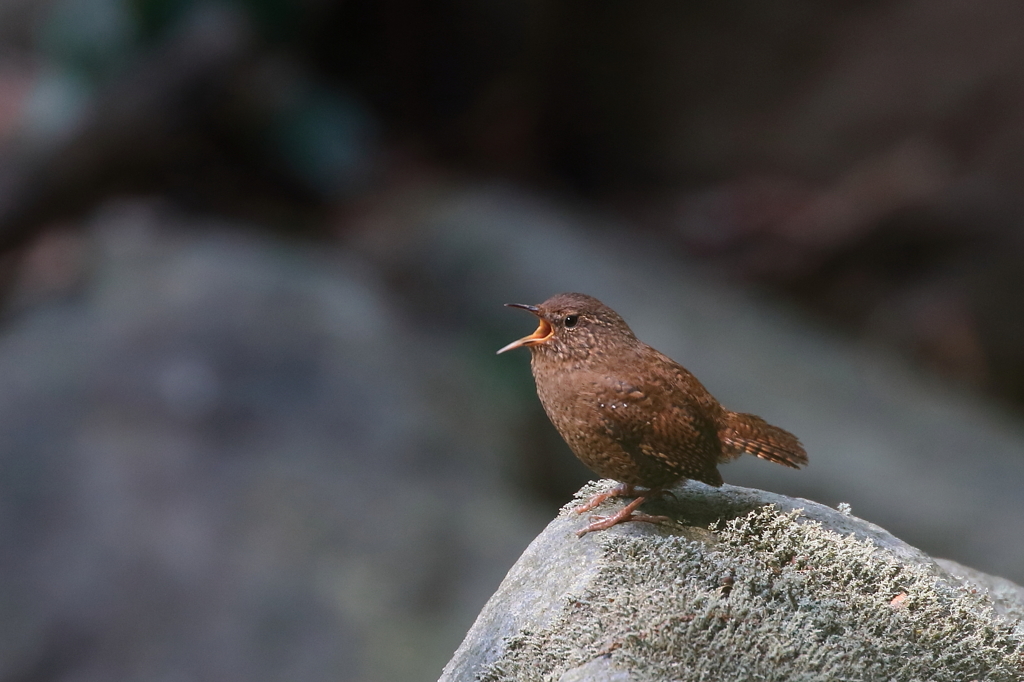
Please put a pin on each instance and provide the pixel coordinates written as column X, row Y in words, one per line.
column 748, row 433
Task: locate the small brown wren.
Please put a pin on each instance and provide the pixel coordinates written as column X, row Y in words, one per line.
column 632, row 414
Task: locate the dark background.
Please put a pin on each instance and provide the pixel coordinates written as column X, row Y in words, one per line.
column 252, row 262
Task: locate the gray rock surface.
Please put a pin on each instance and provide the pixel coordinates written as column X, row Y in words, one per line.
column 596, row 670
column 1007, row 596
column 743, row 584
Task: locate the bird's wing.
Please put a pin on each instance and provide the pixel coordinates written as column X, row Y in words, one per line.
column 663, row 427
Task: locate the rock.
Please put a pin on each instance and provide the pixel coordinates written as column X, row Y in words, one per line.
column 744, row 584
column 598, row 670
column 1007, row 596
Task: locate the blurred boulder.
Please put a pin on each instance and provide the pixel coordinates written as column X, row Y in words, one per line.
column 229, row 458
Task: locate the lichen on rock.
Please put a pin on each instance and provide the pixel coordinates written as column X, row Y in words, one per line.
column 769, row 594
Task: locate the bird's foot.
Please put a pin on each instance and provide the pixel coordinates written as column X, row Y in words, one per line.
column 627, row 513
column 621, row 490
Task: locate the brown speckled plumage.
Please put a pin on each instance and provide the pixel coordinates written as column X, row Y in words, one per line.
column 630, row 413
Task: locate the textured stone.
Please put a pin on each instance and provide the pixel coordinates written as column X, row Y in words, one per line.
column 743, row 583
column 1007, row 596
column 597, row 670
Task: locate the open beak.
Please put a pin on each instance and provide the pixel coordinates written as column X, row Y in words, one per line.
column 543, row 332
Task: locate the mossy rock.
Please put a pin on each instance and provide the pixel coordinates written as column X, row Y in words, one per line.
column 743, row 585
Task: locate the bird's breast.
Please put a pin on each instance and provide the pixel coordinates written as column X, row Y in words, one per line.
column 581, row 400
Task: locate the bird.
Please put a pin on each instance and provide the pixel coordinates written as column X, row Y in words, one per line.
column 631, row 413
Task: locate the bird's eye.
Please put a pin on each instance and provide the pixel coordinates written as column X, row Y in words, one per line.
column 571, row 320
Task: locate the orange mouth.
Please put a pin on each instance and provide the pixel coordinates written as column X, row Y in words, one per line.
column 543, row 332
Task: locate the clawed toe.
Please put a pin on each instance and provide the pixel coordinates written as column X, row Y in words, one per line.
column 620, row 490
column 605, row 522
column 597, row 523
column 627, row 513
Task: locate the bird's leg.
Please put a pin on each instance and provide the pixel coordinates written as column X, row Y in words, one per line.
column 621, row 490
column 627, row 513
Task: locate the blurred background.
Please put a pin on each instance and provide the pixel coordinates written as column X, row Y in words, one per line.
column 253, row 255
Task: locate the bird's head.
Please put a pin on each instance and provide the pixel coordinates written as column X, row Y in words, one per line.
column 573, row 325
